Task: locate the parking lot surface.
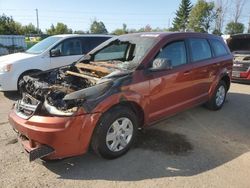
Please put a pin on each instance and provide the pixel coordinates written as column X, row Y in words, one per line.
column 196, row 148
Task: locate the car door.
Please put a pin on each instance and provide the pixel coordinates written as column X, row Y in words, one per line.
column 203, row 66
column 69, row 51
column 171, row 90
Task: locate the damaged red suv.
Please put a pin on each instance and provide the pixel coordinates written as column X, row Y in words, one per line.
column 126, row 83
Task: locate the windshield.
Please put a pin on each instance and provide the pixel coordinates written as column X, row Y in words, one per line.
column 239, row 44
column 125, row 52
column 43, row 45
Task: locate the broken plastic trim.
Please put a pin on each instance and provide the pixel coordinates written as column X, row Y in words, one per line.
column 40, row 152
column 54, row 111
column 93, row 91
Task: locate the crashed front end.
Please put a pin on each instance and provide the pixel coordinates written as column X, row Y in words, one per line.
column 55, row 117
column 60, row 108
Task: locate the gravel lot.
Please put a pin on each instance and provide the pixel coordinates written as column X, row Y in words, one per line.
column 196, row 148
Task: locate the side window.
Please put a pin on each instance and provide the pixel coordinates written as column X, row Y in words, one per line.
column 89, row 43
column 175, row 52
column 68, row 47
column 71, row 47
column 218, row 47
column 200, row 49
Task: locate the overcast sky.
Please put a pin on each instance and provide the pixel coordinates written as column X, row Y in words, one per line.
column 78, row 14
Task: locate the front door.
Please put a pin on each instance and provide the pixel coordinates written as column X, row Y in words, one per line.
column 171, row 90
column 70, row 50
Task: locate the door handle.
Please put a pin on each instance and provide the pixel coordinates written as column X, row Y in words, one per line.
column 187, row 72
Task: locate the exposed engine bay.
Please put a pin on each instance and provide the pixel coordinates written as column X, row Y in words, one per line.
column 62, row 91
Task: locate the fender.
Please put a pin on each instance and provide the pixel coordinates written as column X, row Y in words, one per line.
column 223, row 72
column 117, row 98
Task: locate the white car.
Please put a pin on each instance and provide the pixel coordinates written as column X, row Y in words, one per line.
column 52, row 52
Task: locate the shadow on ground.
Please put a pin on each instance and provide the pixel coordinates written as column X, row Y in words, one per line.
column 12, row 95
column 187, row 144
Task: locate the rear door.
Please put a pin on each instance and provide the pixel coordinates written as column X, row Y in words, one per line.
column 203, row 66
column 70, row 51
column 171, row 90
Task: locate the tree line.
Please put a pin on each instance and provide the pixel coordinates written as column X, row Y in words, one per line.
column 204, row 16
column 209, row 16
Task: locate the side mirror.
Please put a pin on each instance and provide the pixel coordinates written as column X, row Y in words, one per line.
column 55, row 52
column 161, row 64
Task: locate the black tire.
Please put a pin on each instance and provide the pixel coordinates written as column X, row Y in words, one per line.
column 18, row 83
column 21, row 78
column 104, row 126
column 212, row 104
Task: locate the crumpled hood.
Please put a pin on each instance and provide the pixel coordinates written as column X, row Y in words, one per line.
column 14, row 58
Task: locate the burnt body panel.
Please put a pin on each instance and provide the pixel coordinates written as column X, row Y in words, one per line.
column 70, row 101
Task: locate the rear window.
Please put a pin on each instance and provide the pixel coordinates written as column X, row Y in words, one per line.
column 218, row 47
column 200, row 49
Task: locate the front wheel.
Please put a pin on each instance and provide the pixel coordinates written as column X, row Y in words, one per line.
column 115, row 133
column 217, row 100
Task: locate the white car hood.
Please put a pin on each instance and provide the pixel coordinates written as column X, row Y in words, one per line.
column 14, row 58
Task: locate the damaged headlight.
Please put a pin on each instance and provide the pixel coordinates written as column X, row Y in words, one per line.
column 54, row 111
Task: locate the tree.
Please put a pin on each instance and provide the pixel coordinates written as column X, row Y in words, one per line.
column 181, row 20
column 221, row 7
column 147, row 28
column 121, row 31
column 234, row 28
column 59, row 29
column 98, row 27
column 217, row 32
column 9, row 27
column 79, row 32
column 237, row 11
column 30, row 29
column 202, row 16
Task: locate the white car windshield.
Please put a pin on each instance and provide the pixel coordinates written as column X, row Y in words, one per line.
column 43, row 45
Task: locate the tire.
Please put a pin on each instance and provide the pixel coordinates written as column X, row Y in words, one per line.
column 21, row 78
column 110, row 139
column 217, row 100
column 18, row 83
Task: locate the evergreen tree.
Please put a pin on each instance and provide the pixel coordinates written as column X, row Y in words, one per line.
column 202, row 16
column 98, row 27
column 180, row 22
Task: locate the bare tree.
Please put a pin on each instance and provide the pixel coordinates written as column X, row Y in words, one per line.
column 237, row 10
column 221, row 7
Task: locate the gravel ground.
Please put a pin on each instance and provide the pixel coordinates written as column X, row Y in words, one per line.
column 196, row 148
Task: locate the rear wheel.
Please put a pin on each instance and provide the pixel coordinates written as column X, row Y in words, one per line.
column 115, row 133
column 217, row 100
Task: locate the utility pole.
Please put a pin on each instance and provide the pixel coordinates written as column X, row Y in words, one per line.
column 37, row 21
column 248, row 26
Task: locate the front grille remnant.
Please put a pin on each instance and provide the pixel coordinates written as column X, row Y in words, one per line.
column 27, row 106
